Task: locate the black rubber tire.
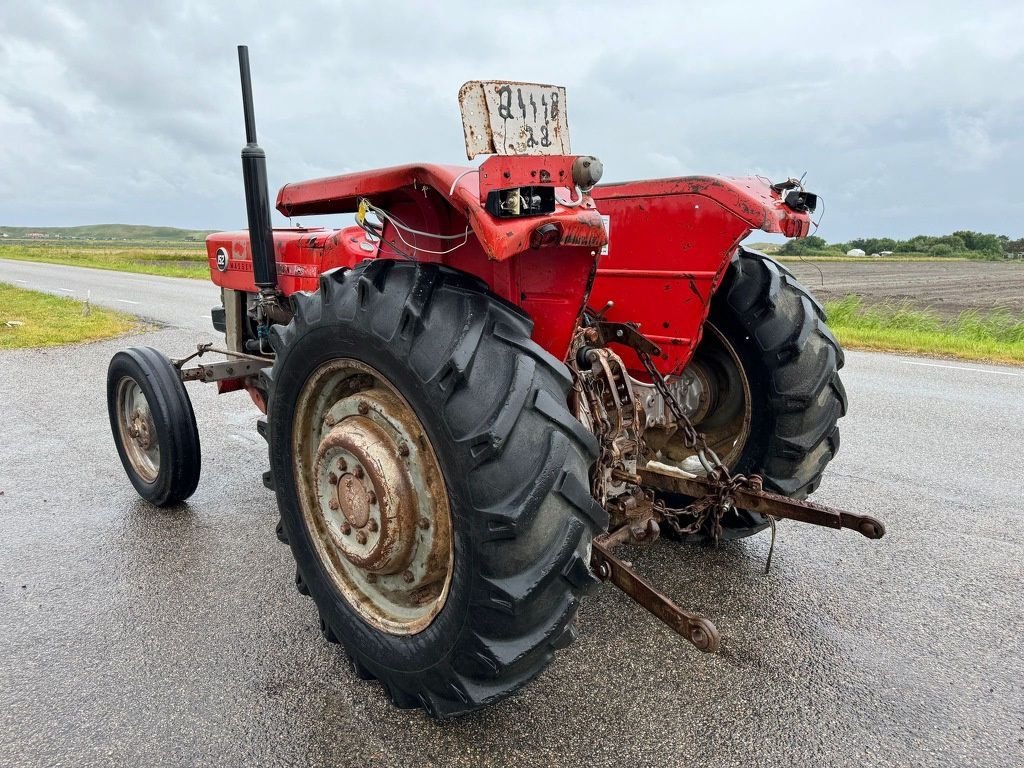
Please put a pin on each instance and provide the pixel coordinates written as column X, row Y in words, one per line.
column 173, row 419
column 792, row 362
column 515, row 462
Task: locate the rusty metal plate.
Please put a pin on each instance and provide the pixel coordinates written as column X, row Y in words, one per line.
column 507, row 118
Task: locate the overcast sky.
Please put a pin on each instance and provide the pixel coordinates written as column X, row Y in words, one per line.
column 908, row 117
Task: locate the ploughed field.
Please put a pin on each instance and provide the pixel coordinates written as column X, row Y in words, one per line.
column 946, row 288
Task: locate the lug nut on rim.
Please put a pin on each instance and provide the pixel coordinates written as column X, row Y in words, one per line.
column 346, row 528
column 372, row 525
column 333, row 503
column 364, row 407
column 361, row 537
column 407, row 577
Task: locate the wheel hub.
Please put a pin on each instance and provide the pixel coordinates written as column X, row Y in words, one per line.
column 720, row 407
column 366, row 495
column 140, row 431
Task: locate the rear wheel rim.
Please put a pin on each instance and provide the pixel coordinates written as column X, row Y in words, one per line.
column 372, row 496
column 726, row 411
column 137, row 430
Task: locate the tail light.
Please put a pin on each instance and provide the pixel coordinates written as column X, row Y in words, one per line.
column 546, row 235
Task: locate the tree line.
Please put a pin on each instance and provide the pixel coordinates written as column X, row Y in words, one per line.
column 963, row 243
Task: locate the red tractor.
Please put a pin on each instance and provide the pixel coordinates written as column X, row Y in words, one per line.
column 491, row 380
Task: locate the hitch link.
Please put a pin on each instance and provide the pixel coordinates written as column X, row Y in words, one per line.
column 698, row 630
column 755, row 499
column 239, row 366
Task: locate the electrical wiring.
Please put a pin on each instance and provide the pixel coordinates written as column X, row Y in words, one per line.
column 365, row 207
column 460, row 177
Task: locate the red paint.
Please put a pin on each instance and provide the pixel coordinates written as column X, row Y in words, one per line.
column 671, row 240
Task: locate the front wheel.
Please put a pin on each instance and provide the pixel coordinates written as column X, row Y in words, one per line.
column 153, row 425
column 768, row 367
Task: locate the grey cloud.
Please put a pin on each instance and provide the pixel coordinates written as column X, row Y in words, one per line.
column 906, row 120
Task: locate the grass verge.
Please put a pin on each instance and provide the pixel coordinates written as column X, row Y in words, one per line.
column 995, row 336
column 32, row 319
column 169, row 260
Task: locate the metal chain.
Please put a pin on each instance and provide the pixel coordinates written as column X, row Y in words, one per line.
column 711, row 508
column 691, row 437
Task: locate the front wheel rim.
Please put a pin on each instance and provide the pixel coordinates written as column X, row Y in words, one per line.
column 372, row 496
column 136, row 430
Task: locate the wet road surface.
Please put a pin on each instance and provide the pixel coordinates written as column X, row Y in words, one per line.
column 132, row 636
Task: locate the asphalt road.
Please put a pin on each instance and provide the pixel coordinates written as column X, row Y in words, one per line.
column 174, row 301
column 132, row 636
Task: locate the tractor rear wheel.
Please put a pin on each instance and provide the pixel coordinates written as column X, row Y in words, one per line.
column 773, row 366
column 153, row 425
column 432, row 484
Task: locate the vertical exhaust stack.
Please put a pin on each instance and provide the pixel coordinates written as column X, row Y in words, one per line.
column 257, row 195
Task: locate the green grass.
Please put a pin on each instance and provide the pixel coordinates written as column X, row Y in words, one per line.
column 32, row 319
column 167, row 259
column 995, row 336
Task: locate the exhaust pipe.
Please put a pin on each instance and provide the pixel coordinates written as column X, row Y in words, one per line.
column 257, row 195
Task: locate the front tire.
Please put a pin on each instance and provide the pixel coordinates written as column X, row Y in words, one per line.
column 153, row 425
column 395, row 353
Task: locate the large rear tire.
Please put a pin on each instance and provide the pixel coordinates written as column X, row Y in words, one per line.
column 399, row 353
column 787, row 370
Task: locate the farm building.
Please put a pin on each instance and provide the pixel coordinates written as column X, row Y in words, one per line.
column 855, row 252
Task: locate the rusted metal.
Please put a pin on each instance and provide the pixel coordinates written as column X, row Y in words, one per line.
column 364, row 498
column 697, row 629
column 237, row 366
column 512, row 118
column 754, row 499
column 365, row 444
column 626, row 334
column 604, row 402
column 137, row 430
column 222, row 371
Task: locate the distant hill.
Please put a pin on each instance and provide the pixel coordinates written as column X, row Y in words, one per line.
column 112, row 232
